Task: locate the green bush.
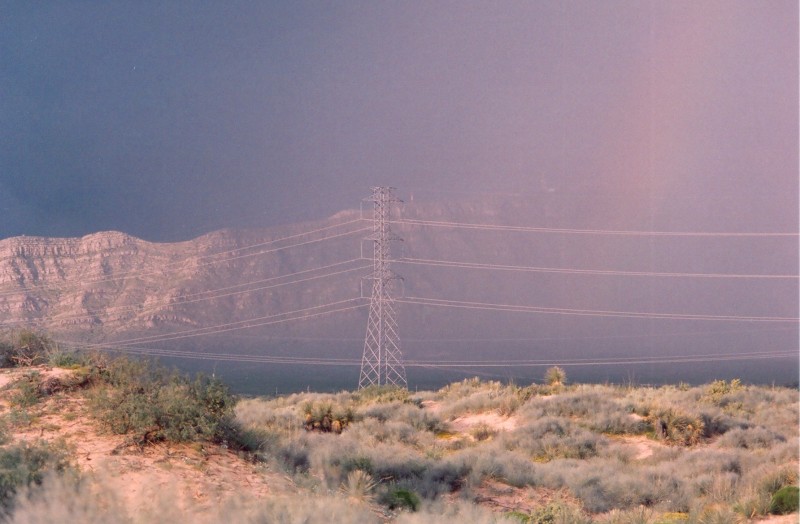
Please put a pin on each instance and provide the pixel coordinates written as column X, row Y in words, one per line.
column 400, row 499
column 27, row 464
column 785, row 500
column 26, row 391
column 65, row 358
column 25, row 348
column 152, row 405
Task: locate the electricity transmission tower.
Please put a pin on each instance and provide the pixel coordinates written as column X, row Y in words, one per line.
column 382, row 363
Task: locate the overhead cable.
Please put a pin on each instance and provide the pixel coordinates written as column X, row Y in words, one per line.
column 246, row 324
column 585, row 312
column 572, row 231
column 570, row 271
column 466, row 365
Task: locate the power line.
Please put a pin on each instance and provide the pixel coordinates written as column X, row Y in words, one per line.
column 526, row 229
column 584, row 312
column 616, row 360
column 466, row 365
column 602, row 337
column 619, row 362
column 570, row 271
column 139, row 310
column 244, row 324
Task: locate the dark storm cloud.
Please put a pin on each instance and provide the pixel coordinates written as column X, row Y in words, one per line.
column 166, row 120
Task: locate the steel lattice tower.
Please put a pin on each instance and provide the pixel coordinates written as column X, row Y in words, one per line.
column 382, row 363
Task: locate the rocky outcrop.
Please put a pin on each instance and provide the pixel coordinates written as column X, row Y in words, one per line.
column 107, row 285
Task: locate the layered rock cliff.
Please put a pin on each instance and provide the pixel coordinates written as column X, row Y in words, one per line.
column 109, row 285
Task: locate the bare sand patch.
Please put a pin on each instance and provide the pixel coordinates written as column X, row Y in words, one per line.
column 642, row 446
column 490, row 419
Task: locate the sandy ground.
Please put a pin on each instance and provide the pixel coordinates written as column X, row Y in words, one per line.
column 643, row 447
column 190, row 476
column 465, row 423
column 490, row 419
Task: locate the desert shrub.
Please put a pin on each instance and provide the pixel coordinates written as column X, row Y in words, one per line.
column 152, row 404
column 358, row 463
column 603, row 484
column 294, row 457
column 555, row 376
column 397, row 467
column 443, row 477
column 774, row 480
column 26, row 390
column 460, row 512
column 464, row 388
column 381, row 394
column 66, row 498
column 259, row 442
column 581, row 403
column 517, row 516
column 752, row 504
column 715, row 514
column 784, row 501
column 270, row 417
column 405, row 413
column 678, row 428
column 385, row 411
column 494, row 461
column 25, row 348
column 492, row 397
column 306, row 510
column 358, row 486
column 327, row 417
column 27, row 464
column 605, row 488
column 717, row 391
column 80, row 501
column 60, row 357
column 553, row 437
column 719, row 423
column 617, row 424
column 400, row 499
column 640, row 515
column 482, row 432
column 750, row 438
column 555, row 512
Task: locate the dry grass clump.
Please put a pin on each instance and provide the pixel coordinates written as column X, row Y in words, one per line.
column 62, row 499
column 474, row 396
column 551, row 438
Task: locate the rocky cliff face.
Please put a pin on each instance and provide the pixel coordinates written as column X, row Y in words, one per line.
column 110, row 285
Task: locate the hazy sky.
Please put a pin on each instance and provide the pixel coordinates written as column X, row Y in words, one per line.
column 170, row 119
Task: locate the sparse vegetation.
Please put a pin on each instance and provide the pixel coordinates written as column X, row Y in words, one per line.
column 556, row 453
